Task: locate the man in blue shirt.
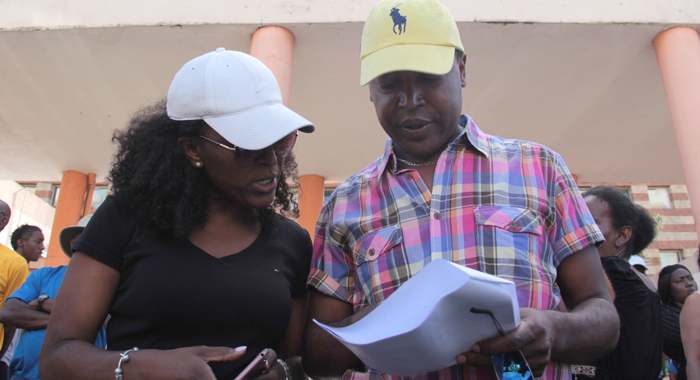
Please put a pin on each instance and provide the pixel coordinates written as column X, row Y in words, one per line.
column 30, row 306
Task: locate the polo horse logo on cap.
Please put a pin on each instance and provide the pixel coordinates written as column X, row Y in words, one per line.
column 398, row 20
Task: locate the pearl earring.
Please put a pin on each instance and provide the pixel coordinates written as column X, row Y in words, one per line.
column 198, row 164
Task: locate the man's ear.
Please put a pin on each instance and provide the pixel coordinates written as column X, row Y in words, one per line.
column 463, row 70
column 191, row 150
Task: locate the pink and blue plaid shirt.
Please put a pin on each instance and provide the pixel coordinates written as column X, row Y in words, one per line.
column 506, row 207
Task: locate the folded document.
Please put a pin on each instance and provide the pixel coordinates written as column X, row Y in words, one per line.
column 427, row 322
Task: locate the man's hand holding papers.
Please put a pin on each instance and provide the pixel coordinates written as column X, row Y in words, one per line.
column 427, row 322
column 533, row 337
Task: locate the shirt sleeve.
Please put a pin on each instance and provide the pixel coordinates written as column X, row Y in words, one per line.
column 332, row 268
column 29, row 291
column 16, row 275
column 574, row 227
column 107, row 235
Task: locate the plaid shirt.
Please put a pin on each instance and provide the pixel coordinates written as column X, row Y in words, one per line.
column 506, row 207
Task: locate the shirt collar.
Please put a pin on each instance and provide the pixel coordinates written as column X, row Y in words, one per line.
column 476, row 138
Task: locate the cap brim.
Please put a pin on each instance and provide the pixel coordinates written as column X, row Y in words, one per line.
column 430, row 59
column 65, row 236
column 259, row 127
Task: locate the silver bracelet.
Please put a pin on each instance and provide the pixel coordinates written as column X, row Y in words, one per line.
column 287, row 372
column 123, row 359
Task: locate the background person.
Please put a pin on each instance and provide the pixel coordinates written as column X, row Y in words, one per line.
column 8, row 354
column 675, row 284
column 628, row 229
column 28, row 241
column 190, row 257
column 690, row 333
column 637, row 262
column 445, row 189
column 13, row 272
column 29, row 309
column 672, row 371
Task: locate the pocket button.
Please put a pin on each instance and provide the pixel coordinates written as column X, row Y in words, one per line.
column 513, row 224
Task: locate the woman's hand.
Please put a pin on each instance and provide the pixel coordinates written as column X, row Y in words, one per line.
column 182, row 363
column 270, row 369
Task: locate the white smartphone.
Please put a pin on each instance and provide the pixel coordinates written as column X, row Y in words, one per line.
column 258, row 358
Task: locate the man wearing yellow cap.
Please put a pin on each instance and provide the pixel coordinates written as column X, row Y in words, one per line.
column 443, row 189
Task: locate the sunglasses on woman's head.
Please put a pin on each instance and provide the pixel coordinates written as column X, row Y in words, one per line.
column 511, row 365
column 246, row 157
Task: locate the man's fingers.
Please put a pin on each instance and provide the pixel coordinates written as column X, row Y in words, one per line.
column 219, row 354
column 495, row 346
column 475, row 360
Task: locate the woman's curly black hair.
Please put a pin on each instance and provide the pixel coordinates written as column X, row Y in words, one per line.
column 152, row 177
column 625, row 213
column 22, row 232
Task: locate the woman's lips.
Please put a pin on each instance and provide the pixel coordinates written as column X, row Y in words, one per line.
column 265, row 185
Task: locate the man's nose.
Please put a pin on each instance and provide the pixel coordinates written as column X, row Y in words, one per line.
column 412, row 97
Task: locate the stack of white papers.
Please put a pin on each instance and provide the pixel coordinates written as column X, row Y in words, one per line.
column 427, row 322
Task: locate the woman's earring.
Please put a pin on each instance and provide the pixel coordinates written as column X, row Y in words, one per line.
column 198, row 164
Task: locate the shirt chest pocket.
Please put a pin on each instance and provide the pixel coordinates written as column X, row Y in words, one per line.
column 380, row 263
column 512, row 219
column 509, row 242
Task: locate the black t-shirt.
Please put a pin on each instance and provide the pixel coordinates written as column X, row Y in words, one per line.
column 172, row 294
column 638, row 352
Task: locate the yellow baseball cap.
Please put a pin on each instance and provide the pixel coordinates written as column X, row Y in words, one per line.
column 410, row 35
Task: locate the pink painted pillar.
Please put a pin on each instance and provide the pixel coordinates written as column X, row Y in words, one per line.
column 274, row 46
column 678, row 54
column 311, row 188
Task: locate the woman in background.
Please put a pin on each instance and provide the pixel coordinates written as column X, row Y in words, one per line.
column 628, row 229
column 690, row 332
column 675, row 285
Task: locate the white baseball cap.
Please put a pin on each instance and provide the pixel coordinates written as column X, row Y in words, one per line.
column 638, row 260
column 235, row 94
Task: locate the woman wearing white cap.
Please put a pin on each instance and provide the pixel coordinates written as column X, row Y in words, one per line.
column 191, row 257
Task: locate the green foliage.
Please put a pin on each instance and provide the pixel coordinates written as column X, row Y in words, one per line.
column 659, row 219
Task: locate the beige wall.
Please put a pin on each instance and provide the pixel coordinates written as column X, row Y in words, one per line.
column 58, row 14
